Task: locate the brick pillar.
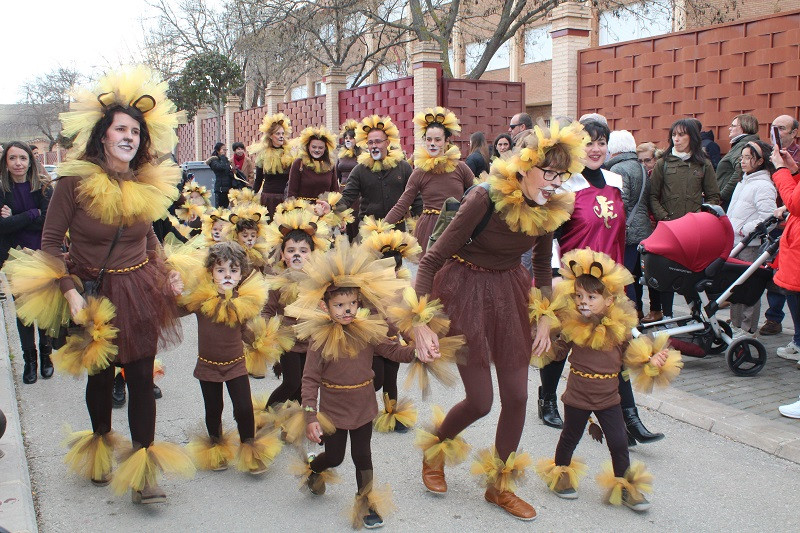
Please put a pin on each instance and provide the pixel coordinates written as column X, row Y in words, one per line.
column 275, row 95
column 231, row 107
column 335, row 80
column 426, row 65
column 310, row 86
column 199, row 150
column 516, row 55
column 571, row 32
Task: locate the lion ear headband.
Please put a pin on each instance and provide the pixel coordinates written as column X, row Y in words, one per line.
column 595, row 269
column 430, row 118
column 234, row 219
column 144, row 103
column 378, row 126
column 310, row 230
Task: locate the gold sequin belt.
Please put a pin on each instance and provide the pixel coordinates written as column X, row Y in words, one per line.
column 473, row 266
column 330, row 385
column 221, row 363
column 307, row 199
column 94, row 272
column 592, row 376
column 431, row 212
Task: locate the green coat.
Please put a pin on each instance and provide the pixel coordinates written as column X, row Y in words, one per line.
column 729, row 169
column 682, row 189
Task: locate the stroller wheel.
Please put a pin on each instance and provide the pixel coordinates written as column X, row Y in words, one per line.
column 746, row 357
column 718, row 345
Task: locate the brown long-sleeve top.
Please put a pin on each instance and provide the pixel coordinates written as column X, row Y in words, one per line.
column 305, row 183
column 496, row 248
column 591, row 393
column 354, row 406
column 272, row 183
column 344, row 166
column 434, row 189
column 90, row 239
column 274, row 307
column 221, row 344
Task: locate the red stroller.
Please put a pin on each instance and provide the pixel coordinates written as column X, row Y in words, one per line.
column 693, row 257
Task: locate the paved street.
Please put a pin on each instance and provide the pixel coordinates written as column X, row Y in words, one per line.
column 703, row 481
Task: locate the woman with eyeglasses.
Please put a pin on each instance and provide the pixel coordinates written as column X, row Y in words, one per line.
column 598, row 223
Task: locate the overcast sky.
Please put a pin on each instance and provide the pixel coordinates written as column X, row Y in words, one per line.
column 40, row 35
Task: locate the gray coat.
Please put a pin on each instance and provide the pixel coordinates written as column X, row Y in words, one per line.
column 627, row 165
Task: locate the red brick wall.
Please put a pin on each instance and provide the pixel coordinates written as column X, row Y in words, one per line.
column 394, row 98
column 246, row 123
column 185, row 151
column 711, row 73
column 209, row 136
column 482, row 105
column 305, row 112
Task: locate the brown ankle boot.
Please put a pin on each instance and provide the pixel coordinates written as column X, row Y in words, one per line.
column 511, row 503
column 652, row 316
column 433, row 478
column 149, row 494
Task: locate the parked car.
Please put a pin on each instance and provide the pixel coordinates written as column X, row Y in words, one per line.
column 203, row 175
column 51, row 169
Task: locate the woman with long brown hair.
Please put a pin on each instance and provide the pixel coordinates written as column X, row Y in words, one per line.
column 272, row 160
column 478, row 158
column 24, row 206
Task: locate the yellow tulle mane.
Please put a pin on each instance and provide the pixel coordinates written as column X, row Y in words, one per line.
column 436, row 115
column 192, row 186
column 573, row 137
column 509, row 202
column 609, row 332
column 348, row 125
column 137, row 87
column 272, row 160
column 597, row 264
column 370, row 224
column 334, row 340
column 394, row 241
column 297, row 219
column 319, row 133
column 254, row 212
column 118, row 201
column 231, row 308
column 242, row 196
column 373, row 122
column 210, row 218
column 442, row 164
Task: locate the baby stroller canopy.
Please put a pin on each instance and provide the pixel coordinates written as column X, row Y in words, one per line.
column 695, row 240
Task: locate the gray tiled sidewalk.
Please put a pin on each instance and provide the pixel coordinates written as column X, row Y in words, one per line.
column 711, row 379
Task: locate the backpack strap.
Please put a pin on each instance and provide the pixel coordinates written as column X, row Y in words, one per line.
column 486, row 217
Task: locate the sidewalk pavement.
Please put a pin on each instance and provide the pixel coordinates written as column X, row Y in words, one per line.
column 17, row 512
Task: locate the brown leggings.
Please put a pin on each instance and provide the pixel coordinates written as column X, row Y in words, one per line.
column 360, row 451
column 513, row 385
column 239, row 391
column 613, row 427
column 141, row 401
column 292, row 364
column 385, row 375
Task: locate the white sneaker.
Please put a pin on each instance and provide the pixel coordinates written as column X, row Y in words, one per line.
column 792, row 410
column 737, row 332
column 791, row 352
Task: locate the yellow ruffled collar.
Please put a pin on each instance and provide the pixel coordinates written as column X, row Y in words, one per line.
column 320, row 167
column 609, row 332
column 388, row 162
column 141, row 196
column 442, row 164
column 346, row 153
column 286, row 285
column 274, row 160
column 258, row 254
column 232, row 308
column 510, row 203
column 334, row 340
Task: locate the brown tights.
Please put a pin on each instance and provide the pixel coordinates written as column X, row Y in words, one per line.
column 141, row 402
column 360, row 451
column 513, row 385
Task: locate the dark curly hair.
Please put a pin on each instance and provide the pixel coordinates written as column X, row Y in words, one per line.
column 95, row 148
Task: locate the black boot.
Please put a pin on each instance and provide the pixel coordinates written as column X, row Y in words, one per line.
column 548, row 410
column 44, row 360
column 118, row 394
column 31, row 366
column 636, row 430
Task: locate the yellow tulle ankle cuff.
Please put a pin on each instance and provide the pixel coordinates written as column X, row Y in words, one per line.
column 438, row 452
column 401, row 410
column 209, row 453
column 552, row 473
column 259, row 453
column 91, row 455
column 302, row 470
column 637, row 480
column 144, row 466
column 379, row 499
column 502, row 475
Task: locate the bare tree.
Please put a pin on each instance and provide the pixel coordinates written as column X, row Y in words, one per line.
column 45, row 97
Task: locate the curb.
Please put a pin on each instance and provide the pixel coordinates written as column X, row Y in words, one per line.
column 725, row 421
column 17, row 512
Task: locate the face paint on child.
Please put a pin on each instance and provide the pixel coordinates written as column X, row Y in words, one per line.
column 247, row 237
column 218, row 230
column 226, row 276
column 295, row 254
column 591, row 303
column 342, row 307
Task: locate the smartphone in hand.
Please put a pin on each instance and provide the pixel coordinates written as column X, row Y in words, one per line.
column 775, row 137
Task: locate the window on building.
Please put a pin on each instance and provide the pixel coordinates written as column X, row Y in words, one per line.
column 474, row 51
column 538, row 44
column 320, row 88
column 299, row 92
column 635, row 21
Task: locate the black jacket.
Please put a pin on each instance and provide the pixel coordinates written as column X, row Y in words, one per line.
column 476, row 163
column 221, row 166
column 711, row 148
column 20, row 220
